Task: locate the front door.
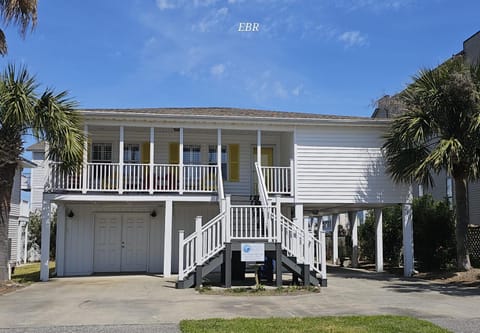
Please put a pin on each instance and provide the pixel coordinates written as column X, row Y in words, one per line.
column 121, row 242
column 266, row 160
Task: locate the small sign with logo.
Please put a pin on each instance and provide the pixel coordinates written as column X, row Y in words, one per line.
column 252, row 252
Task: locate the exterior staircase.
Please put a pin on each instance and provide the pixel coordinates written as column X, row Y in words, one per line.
column 210, row 246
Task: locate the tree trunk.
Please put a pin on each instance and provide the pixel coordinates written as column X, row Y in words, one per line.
column 461, row 225
column 7, row 174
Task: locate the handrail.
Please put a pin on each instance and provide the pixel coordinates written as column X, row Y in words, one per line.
column 277, row 179
column 261, row 186
column 220, row 190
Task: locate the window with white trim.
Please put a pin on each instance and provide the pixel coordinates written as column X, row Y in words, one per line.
column 101, row 152
column 131, row 153
column 191, row 154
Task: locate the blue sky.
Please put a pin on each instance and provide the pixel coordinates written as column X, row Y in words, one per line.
column 323, row 56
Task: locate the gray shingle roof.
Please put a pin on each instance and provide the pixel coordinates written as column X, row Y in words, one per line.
column 218, row 112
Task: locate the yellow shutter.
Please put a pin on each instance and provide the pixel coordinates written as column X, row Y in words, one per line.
column 174, row 154
column 234, row 162
column 145, row 153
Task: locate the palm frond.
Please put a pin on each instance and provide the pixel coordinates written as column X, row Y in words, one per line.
column 60, row 125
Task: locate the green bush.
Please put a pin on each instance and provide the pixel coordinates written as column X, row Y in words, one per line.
column 35, row 232
column 392, row 236
column 433, row 234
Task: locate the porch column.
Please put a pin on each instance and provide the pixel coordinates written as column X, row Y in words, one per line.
column 335, row 219
column 379, row 240
column 45, row 249
column 25, row 258
column 167, row 242
column 353, row 220
column 152, row 151
column 299, row 214
column 85, row 159
column 120, row 160
column 259, row 148
column 407, row 226
column 60, row 241
column 180, row 160
column 219, row 157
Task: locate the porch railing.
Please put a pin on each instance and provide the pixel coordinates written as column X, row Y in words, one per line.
column 278, row 180
column 105, row 177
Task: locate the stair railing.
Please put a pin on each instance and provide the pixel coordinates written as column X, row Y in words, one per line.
column 201, row 245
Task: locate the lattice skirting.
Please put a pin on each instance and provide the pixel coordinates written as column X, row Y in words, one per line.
column 473, row 243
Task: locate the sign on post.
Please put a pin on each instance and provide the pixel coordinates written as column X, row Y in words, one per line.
column 252, row 252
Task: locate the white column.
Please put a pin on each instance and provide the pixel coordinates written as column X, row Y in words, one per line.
column 379, row 240
column 259, row 148
column 85, row 159
column 45, row 249
column 25, row 258
column 407, row 226
column 219, row 148
column 335, row 220
column 120, row 160
column 299, row 213
column 353, row 219
column 180, row 160
column 199, row 241
column 167, row 242
column 60, row 241
column 152, row 151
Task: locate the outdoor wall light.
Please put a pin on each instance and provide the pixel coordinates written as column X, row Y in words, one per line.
column 153, row 213
column 70, row 213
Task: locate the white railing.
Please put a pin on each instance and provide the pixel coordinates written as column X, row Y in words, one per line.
column 62, row 180
column 102, row 176
column 292, row 239
column 200, row 178
column 186, row 254
column 204, row 243
column 213, row 237
column 252, row 222
column 136, row 177
column 166, row 178
column 278, row 180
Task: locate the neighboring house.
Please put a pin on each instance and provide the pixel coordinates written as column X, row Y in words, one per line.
column 178, row 190
column 390, row 107
column 19, row 215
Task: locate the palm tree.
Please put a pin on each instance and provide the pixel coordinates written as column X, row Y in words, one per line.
column 50, row 117
column 440, row 130
column 22, row 13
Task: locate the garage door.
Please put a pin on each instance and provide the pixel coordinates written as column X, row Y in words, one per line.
column 121, row 242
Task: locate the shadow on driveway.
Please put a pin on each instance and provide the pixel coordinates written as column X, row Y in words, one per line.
column 405, row 285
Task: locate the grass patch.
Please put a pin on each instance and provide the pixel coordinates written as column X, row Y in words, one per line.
column 347, row 324
column 30, row 272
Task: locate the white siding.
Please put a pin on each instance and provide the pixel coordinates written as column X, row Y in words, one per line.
column 343, row 165
column 13, row 222
column 38, row 180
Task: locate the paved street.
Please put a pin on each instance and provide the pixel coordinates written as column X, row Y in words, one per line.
column 152, row 304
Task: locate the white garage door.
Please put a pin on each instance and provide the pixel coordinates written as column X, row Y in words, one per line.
column 121, row 242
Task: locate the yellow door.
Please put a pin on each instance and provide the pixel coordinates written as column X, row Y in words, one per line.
column 266, row 161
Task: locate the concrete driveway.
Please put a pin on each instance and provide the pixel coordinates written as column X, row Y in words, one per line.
column 152, row 300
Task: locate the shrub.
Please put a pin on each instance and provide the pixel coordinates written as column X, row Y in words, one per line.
column 35, row 232
column 433, row 234
column 392, row 235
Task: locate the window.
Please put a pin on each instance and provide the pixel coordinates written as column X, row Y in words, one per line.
column 420, row 190
column 450, row 190
column 131, row 153
column 191, row 154
column 102, row 152
column 212, row 159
